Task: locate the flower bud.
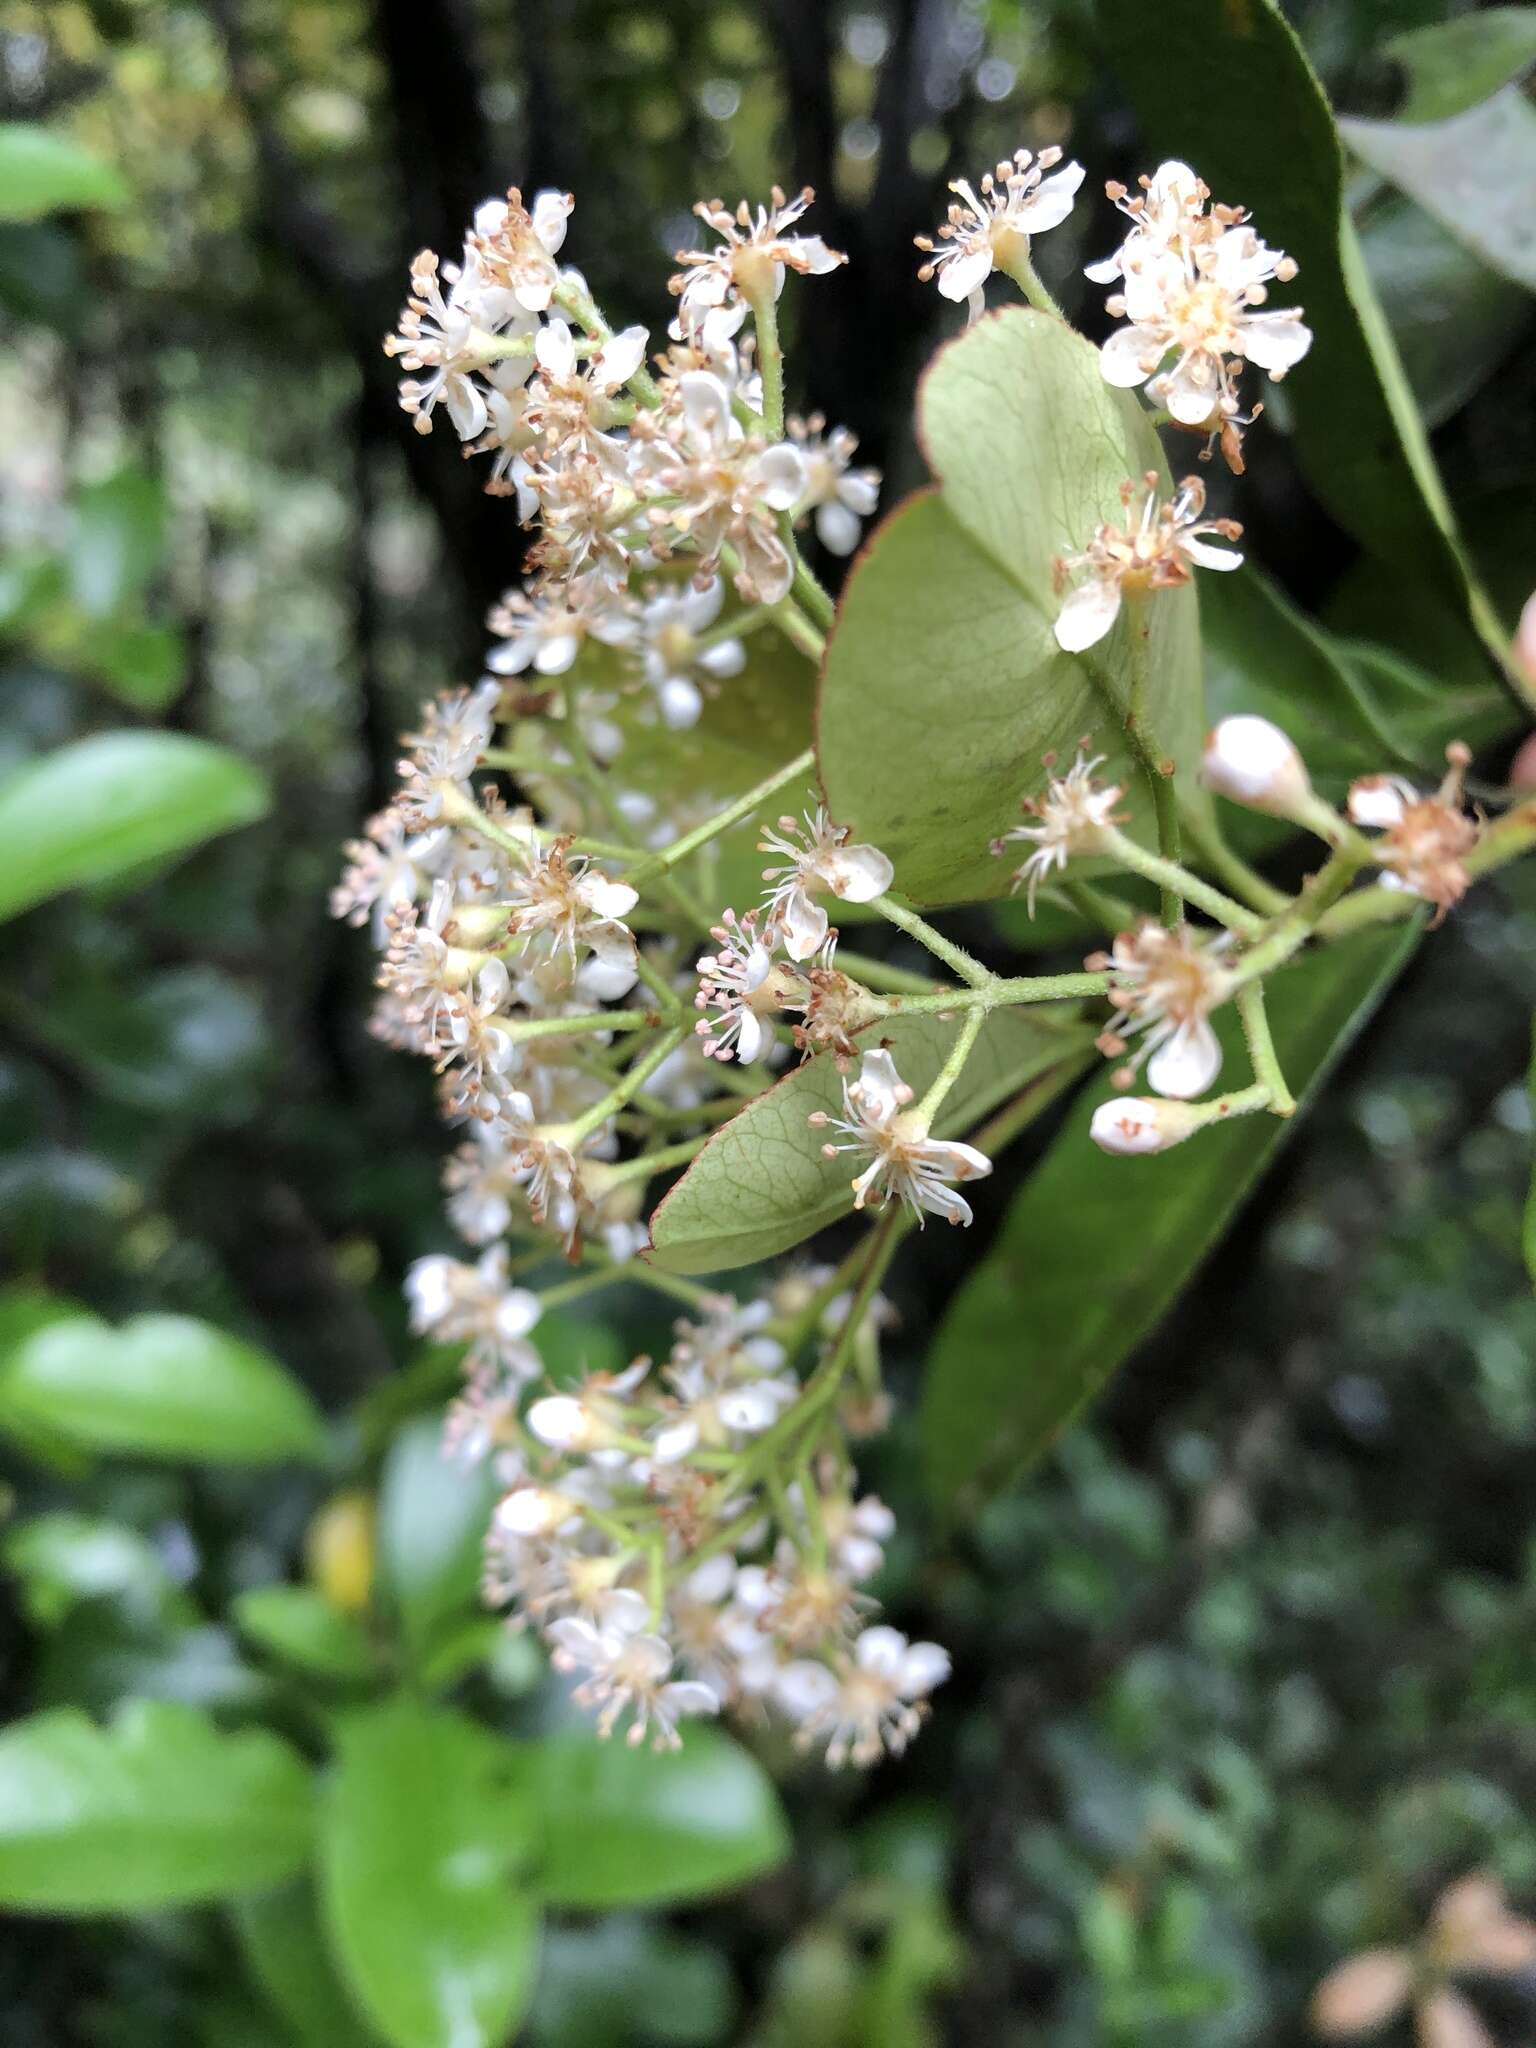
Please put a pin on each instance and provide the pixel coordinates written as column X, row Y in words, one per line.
column 565, row 1424
column 1131, row 1125
column 534, row 1511
column 1251, row 762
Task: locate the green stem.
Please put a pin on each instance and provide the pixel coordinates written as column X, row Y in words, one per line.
column 770, row 359
column 798, row 630
column 1290, row 931
column 953, row 1067
column 811, row 595
column 524, row 1028
column 647, row 1163
column 954, row 957
column 996, row 993
column 733, row 813
column 634, row 1077
column 1097, row 907
column 1261, row 1049
column 881, row 975
column 1214, row 851
column 1021, row 269
column 1170, row 876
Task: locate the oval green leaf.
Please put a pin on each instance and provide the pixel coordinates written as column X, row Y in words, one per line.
column 762, row 1184
column 160, row 1387
column 42, row 172
column 643, row 1827
column 300, row 1627
column 943, row 685
column 101, row 807
column 285, row 1949
column 157, row 1809
column 433, row 1515
column 424, row 1837
column 1451, row 65
column 1095, row 1249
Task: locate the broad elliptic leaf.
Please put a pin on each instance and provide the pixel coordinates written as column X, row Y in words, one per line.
column 1452, row 65
column 425, row 1840
column 762, row 1183
column 642, row 1827
column 1226, row 84
column 159, row 1387
column 432, row 1518
column 42, row 172
column 1454, row 320
column 301, row 1628
column 156, row 1809
column 1473, row 173
column 943, row 685
column 1095, row 1249
column 285, row 1948
column 101, row 807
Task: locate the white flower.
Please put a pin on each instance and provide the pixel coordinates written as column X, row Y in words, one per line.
column 719, row 485
column 1073, row 815
column 738, row 983
column 1193, row 285
column 905, row 1163
column 1166, row 984
column 1153, row 551
column 628, row 1671
column 455, row 731
column 873, row 1702
column 1424, row 840
column 589, row 1422
column 567, row 903
column 726, row 1381
column 454, row 1303
column 389, row 867
column 817, row 856
column 753, row 258
column 664, row 638
column 1251, row 762
column 452, row 336
column 1130, row 1126
column 839, row 496
column 990, row 232
column 546, row 629
column 516, row 247
column 570, row 406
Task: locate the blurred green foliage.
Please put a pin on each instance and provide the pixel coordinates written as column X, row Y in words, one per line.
column 1243, row 1673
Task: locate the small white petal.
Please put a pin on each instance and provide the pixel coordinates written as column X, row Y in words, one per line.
column 964, row 274
column 1208, row 557
column 621, row 356
column 837, row 528
column 1275, row 341
column 924, row 1666
column 1186, row 1064
column 858, row 874
column 1087, row 614
column 1129, row 356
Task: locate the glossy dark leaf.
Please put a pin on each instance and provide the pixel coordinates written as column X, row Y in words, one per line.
column 1095, row 1249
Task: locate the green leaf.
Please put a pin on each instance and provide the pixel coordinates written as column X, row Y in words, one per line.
column 42, row 172
column 100, row 807
column 433, row 1515
column 140, row 664
column 1451, row 65
column 63, row 1559
column 762, row 1184
column 1454, row 320
column 643, row 1827
column 1095, row 1249
column 1530, row 1206
column 118, row 540
column 1351, row 709
column 620, row 1979
column 285, row 1948
column 157, row 1809
column 424, row 1837
column 1474, row 174
column 1267, row 139
column 298, row 1626
column 943, row 684
column 159, row 1387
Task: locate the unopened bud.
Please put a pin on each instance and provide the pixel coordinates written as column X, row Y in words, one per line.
column 534, row 1511
column 1525, row 638
column 565, row 1424
column 1251, row 762
column 1131, row 1125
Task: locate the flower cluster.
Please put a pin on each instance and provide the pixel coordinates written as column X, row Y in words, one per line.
column 637, row 1534
column 1193, row 283
column 620, row 470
